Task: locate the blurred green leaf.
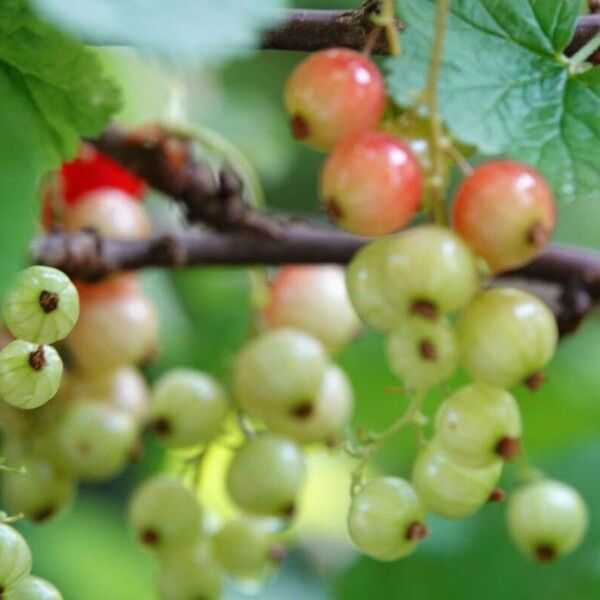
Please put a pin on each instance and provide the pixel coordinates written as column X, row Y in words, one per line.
column 57, row 79
column 505, row 87
column 187, row 30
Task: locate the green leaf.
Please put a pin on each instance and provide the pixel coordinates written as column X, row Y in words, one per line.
column 506, row 87
column 60, row 80
column 189, row 30
column 20, row 168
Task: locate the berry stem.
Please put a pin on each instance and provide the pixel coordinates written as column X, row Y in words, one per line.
column 387, row 19
column 409, row 417
column 430, row 97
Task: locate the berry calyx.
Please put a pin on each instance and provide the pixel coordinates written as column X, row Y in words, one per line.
column 332, row 94
column 371, row 184
column 505, row 211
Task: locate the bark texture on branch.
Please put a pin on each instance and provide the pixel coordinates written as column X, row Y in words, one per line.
column 166, row 160
column 312, row 29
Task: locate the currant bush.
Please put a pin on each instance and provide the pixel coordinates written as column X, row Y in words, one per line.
column 313, row 299
column 507, row 336
column 332, row 94
column 505, row 211
column 371, row 184
column 547, row 519
column 42, row 306
column 387, row 519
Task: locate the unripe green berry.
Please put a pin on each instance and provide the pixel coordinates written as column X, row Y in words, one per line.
column 387, row 519
column 479, row 424
column 34, row 588
column 30, row 374
column 15, row 557
column 42, row 306
column 187, row 407
column 547, row 519
column 449, row 489
column 266, row 475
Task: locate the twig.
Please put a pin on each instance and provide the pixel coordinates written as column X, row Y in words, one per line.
column 430, row 99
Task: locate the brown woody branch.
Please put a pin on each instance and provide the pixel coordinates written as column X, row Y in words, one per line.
column 309, row 30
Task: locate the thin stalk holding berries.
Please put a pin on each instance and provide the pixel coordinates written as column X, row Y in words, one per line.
column 430, row 99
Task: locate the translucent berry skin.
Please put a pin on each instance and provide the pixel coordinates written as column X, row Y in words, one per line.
column 280, row 372
column 245, row 550
column 430, row 265
column 114, row 330
column 332, row 94
column 505, row 210
column 164, row 513
column 29, row 374
column 123, row 388
column 266, row 475
column 366, row 279
column 42, row 306
column 371, row 184
column 96, row 441
column 422, row 353
column 15, row 557
column 507, row 336
column 111, row 212
column 472, row 423
column 547, row 519
column 331, row 413
column 190, row 572
column 449, row 489
column 187, row 407
column 34, row 588
column 313, row 299
column 384, row 517
column 41, row 492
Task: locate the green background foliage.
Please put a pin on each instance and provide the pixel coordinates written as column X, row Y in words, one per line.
column 531, row 108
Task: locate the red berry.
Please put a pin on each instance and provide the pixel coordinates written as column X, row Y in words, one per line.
column 332, row 94
column 505, row 210
column 371, row 184
column 110, row 212
column 91, row 171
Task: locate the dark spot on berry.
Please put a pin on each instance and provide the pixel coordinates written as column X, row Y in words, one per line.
column 333, row 210
column 277, row 553
column 424, row 308
column 43, row 514
column 289, row 510
column 303, row 411
column 416, row 531
column 545, row 552
column 149, row 537
column 538, row 235
column 300, row 128
column 428, row 350
column 83, row 447
column 48, row 301
column 508, row 447
column 497, row 495
column 37, row 358
column 161, row 426
column 534, row 381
